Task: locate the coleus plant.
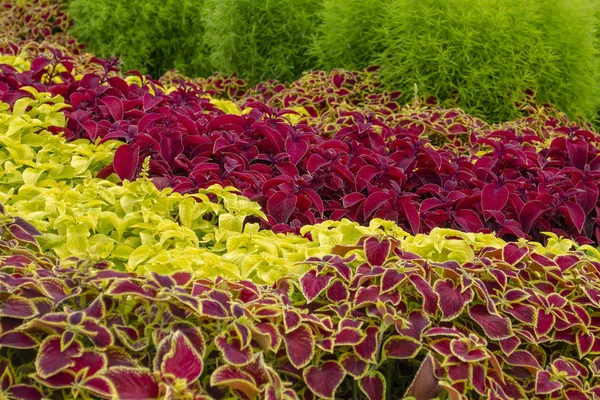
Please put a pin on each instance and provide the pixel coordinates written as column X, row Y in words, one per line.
column 371, row 321
column 498, row 181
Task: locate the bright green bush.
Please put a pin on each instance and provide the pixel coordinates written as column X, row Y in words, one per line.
column 348, row 36
column 482, row 54
column 261, row 40
column 152, row 36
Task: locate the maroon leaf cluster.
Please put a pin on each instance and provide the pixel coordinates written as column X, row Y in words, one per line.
column 479, row 180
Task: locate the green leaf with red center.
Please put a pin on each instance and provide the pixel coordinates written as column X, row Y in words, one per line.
column 236, row 379
column 213, row 309
column 367, row 349
column 266, row 336
column 425, row 384
column 478, row 378
column 51, row 360
column 544, row 321
column 232, row 351
column 325, row 380
column 25, row 392
column 299, row 345
column 132, row 383
column 494, row 326
column 353, row 365
column 373, row 385
column 461, row 349
column 401, row 347
column 451, row 300
column 544, row 383
column 312, row 285
column 182, row 361
column 509, row 345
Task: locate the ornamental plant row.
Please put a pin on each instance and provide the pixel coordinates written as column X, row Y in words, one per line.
column 494, row 181
column 370, row 321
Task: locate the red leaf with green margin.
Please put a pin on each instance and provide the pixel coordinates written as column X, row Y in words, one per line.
column 544, row 321
column 312, row 285
column 182, row 361
column 348, row 337
column 373, row 386
column 353, row 366
column 418, row 323
column 478, row 379
column 51, row 360
column 99, row 386
column 494, row 197
column 585, row 343
column 281, row 206
column 126, row 161
column 377, row 252
column 401, row 347
column 509, row 345
column 299, row 346
column 25, row 392
column 232, row 351
column 123, row 287
column 266, row 336
column 523, row 358
column 236, row 379
column 367, row 349
column 523, row 312
column 462, row 351
column 17, row 307
column 325, row 380
column 18, row 340
column 494, row 326
column 337, row 292
column 213, row 309
column 450, row 299
column 512, row 253
column 133, row 383
column 391, row 279
column 430, row 298
column 291, row 320
column 544, row 383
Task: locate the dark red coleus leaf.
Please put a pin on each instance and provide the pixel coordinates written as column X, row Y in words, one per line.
column 126, row 161
column 324, row 380
column 133, row 383
column 373, row 385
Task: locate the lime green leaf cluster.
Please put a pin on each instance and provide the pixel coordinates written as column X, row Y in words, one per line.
column 31, row 156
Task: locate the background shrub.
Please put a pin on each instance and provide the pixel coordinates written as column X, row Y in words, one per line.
column 151, row 36
column 348, row 35
column 481, row 54
column 261, row 40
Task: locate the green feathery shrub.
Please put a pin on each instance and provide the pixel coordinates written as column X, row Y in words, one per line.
column 261, row 40
column 151, row 36
column 481, row 54
column 348, row 36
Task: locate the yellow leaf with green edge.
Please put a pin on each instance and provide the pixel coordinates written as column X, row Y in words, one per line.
column 138, row 256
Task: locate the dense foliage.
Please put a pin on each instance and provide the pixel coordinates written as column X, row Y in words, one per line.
column 260, row 40
column 151, row 36
column 511, row 323
column 481, row 55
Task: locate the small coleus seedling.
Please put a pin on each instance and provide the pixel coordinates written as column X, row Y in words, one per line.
column 515, row 322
